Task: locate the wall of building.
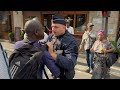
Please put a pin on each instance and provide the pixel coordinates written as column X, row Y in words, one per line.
column 30, row 14
column 96, row 18
column 113, row 25
column 17, row 24
column 5, row 27
column 18, row 19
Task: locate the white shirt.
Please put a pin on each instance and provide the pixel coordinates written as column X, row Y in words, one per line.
column 25, row 36
column 86, row 40
column 70, row 30
column 45, row 38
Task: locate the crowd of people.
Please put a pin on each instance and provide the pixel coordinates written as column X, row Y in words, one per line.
column 59, row 51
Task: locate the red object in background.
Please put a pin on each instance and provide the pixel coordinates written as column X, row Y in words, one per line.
column 104, row 13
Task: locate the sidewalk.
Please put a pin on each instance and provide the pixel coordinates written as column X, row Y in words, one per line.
column 7, row 45
column 81, row 62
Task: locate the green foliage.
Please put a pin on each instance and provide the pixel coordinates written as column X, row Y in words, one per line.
column 114, row 43
column 22, row 34
column 10, row 34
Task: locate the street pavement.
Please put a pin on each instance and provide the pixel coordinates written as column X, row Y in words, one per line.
column 80, row 68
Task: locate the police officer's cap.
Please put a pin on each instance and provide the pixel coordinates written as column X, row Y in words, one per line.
column 58, row 19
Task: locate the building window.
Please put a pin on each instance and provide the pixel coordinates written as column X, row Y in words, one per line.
column 29, row 18
column 71, row 18
column 80, row 22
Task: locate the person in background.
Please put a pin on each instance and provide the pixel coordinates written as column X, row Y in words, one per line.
column 100, row 48
column 88, row 39
column 118, row 41
column 68, row 27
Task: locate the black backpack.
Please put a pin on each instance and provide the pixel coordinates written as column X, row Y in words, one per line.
column 26, row 61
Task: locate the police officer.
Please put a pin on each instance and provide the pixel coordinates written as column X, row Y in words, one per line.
column 62, row 48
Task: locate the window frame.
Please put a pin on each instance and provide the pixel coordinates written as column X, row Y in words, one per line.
column 76, row 13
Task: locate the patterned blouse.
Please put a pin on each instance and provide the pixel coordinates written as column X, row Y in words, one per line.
column 98, row 46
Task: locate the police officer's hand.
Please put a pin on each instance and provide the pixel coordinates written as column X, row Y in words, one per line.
column 51, row 50
column 50, row 46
